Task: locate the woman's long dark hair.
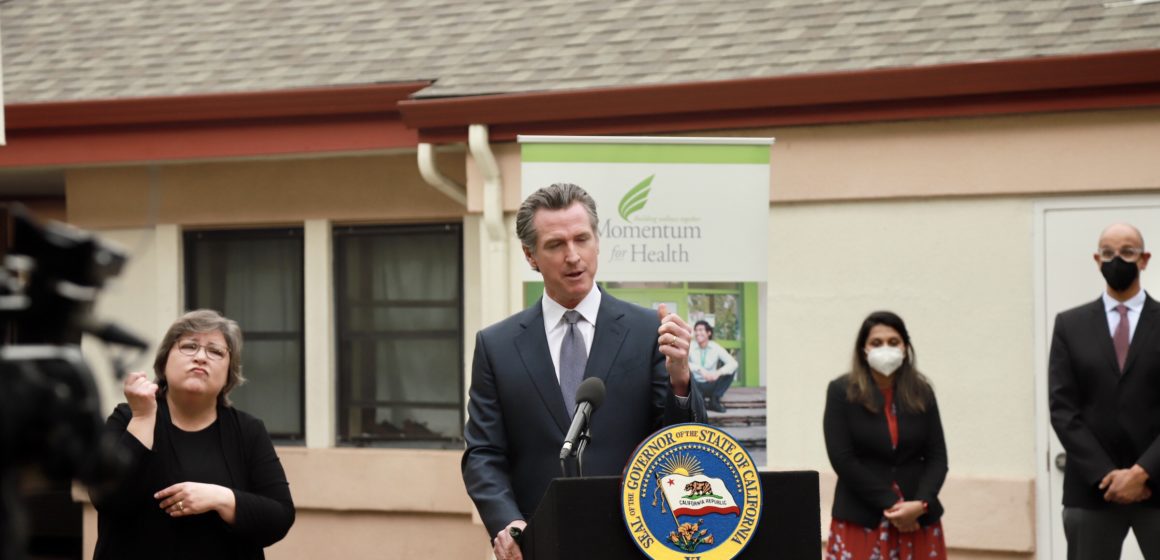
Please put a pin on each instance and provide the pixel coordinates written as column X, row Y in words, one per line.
column 912, row 391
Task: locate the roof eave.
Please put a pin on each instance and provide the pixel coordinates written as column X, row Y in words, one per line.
column 305, row 102
column 1110, row 80
column 333, row 120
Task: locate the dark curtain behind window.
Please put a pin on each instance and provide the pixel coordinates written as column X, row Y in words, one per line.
column 255, row 278
column 399, row 314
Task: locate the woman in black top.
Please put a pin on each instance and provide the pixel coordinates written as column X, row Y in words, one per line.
column 885, row 440
column 204, row 480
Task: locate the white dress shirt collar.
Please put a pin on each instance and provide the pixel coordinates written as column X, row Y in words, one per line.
column 554, row 312
column 1135, row 304
column 555, row 327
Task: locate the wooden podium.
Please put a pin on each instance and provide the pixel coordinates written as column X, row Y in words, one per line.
column 580, row 518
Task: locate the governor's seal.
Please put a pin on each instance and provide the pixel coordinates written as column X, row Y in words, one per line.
column 691, row 491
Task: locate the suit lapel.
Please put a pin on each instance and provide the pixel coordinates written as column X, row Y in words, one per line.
column 610, row 334
column 1145, row 334
column 532, row 346
column 1098, row 321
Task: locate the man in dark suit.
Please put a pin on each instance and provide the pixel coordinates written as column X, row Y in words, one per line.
column 1104, row 377
column 526, row 369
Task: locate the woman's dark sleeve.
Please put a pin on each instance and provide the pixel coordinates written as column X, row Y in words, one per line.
column 840, row 448
column 935, row 454
column 129, row 489
column 265, row 512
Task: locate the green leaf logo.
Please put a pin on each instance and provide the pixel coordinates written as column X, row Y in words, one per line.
column 635, row 199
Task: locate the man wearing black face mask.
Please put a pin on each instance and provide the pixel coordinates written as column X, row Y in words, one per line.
column 1104, row 380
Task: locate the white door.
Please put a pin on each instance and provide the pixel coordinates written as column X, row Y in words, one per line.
column 1067, row 235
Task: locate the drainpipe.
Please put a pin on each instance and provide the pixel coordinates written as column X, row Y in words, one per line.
column 495, row 280
column 477, row 142
column 435, row 178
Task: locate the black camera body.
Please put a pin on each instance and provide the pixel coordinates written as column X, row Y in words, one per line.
column 50, row 410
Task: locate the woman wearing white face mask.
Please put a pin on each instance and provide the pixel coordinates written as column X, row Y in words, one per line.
column 885, row 441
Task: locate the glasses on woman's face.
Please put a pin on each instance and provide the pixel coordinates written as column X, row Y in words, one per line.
column 213, row 352
column 1129, row 254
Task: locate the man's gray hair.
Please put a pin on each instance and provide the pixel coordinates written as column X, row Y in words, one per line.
column 558, row 196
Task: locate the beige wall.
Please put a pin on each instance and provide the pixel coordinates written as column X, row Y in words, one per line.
column 354, row 535
column 931, row 219
column 934, row 220
column 348, row 501
column 354, row 503
column 135, row 300
column 1041, row 154
column 983, row 514
column 374, row 188
column 958, row 271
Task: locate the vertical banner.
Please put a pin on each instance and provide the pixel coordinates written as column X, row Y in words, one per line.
column 671, row 209
column 683, row 222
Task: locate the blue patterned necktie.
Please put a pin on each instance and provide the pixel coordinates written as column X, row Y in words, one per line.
column 573, row 357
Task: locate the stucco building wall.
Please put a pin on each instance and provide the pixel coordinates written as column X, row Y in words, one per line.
column 933, row 219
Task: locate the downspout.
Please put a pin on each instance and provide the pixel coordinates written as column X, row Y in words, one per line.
column 477, row 142
column 435, row 178
column 496, row 281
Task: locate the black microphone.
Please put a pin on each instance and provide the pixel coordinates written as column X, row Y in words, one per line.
column 589, row 396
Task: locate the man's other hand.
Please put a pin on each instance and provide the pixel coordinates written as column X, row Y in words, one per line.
column 504, row 545
column 674, row 338
column 1126, row 486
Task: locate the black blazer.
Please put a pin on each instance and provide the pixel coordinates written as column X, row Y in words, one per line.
column 130, row 525
column 858, row 443
column 517, row 418
column 1104, row 419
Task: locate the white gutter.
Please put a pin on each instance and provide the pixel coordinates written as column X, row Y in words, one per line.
column 477, row 143
column 495, row 273
column 435, row 178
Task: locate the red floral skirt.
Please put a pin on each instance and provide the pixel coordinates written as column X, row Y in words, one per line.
column 849, row 541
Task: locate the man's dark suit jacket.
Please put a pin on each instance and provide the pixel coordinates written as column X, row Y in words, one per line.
column 1104, row 419
column 517, row 419
column 858, row 444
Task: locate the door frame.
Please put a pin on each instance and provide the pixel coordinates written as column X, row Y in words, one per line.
column 1044, row 501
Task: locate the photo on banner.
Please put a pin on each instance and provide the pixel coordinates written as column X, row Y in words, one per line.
column 684, row 223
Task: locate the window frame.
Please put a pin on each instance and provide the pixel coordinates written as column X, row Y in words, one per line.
column 343, row 377
column 190, row 236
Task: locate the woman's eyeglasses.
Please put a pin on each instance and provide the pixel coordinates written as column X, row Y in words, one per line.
column 190, row 348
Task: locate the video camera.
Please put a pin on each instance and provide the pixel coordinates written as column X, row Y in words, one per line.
column 50, row 410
